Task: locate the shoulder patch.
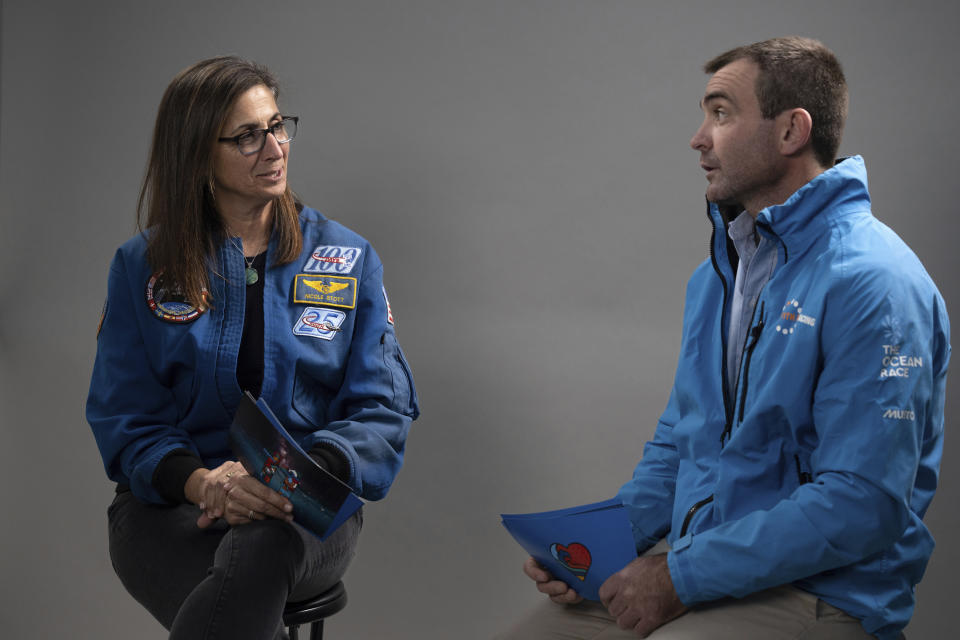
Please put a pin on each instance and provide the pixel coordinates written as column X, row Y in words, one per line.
column 332, row 291
column 334, row 260
column 167, row 302
column 318, row 322
column 387, row 300
column 103, row 314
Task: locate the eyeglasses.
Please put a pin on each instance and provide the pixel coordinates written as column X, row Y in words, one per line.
column 251, row 142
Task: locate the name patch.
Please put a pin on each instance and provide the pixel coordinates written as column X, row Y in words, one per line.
column 332, row 260
column 332, row 291
column 318, row 322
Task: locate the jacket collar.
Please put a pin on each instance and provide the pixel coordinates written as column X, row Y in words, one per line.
column 814, row 207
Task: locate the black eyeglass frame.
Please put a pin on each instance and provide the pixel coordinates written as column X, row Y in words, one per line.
column 263, row 140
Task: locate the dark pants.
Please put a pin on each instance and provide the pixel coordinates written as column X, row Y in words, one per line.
column 223, row 581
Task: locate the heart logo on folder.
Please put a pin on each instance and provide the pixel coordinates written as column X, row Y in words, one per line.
column 573, row 556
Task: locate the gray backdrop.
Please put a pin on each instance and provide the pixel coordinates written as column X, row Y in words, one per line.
column 523, row 169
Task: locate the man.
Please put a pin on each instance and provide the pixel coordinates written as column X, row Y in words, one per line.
column 801, row 443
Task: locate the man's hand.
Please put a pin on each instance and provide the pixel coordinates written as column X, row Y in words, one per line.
column 641, row 595
column 558, row 590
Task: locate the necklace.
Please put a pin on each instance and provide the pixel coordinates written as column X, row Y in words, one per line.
column 250, row 274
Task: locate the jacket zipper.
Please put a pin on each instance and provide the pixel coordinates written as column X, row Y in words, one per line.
column 803, row 476
column 727, row 409
column 755, row 332
column 691, row 511
column 754, row 336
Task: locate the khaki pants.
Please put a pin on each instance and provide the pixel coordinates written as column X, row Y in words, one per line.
column 781, row 613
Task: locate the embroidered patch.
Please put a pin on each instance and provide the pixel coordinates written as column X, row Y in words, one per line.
column 332, row 260
column 103, row 314
column 387, row 300
column 329, row 290
column 790, row 316
column 318, row 322
column 168, row 303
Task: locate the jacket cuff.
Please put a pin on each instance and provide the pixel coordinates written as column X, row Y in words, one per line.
column 332, row 460
column 170, row 476
column 681, row 572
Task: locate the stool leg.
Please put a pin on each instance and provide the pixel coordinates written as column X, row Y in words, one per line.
column 316, row 630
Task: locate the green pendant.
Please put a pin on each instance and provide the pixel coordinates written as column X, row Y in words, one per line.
column 251, row 275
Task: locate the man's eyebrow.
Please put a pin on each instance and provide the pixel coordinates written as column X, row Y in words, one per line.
column 714, row 95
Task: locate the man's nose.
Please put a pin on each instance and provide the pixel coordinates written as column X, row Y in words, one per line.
column 700, row 140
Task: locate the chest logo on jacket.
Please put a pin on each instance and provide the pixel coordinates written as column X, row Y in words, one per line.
column 318, row 322
column 333, row 291
column 332, row 259
column 792, row 315
column 167, row 302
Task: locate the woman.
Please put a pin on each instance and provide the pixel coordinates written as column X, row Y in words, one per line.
column 233, row 286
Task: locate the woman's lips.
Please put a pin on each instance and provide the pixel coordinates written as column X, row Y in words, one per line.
column 275, row 175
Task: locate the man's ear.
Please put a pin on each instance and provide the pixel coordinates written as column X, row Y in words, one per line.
column 794, row 130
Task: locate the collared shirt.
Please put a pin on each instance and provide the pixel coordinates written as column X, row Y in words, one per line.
column 758, row 257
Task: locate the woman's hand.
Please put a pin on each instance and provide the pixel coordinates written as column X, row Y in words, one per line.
column 230, row 493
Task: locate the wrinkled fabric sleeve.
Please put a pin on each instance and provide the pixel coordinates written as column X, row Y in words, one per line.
column 649, row 494
column 132, row 414
column 860, row 499
column 374, row 407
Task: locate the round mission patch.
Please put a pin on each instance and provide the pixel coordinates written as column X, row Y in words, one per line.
column 168, row 302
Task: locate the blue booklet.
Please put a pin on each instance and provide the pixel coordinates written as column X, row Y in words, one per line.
column 321, row 502
column 583, row 546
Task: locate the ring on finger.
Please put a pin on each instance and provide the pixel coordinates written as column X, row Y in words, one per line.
column 229, row 473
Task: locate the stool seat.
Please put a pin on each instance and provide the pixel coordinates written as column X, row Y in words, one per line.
column 313, row 611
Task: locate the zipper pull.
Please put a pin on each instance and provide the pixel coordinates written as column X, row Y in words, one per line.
column 803, row 476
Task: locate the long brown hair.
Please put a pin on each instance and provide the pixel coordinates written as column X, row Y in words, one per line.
column 176, row 199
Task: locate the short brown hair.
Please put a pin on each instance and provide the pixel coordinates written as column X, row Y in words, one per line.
column 798, row 72
column 177, row 199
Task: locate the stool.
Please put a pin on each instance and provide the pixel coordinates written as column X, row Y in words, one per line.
column 314, row 611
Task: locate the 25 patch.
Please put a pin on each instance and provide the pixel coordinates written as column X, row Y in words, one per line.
column 318, row 322
column 332, row 260
column 333, row 291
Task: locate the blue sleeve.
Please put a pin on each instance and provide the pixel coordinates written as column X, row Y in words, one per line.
column 374, row 407
column 132, row 414
column 649, row 495
column 878, row 416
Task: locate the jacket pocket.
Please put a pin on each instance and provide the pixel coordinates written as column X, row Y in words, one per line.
column 311, row 399
column 184, row 392
column 404, row 393
column 692, row 511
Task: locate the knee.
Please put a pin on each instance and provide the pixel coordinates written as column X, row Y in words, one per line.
column 272, row 545
column 275, row 537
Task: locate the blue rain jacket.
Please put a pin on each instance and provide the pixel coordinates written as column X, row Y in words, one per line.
column 333, row 371
column 817, row 469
